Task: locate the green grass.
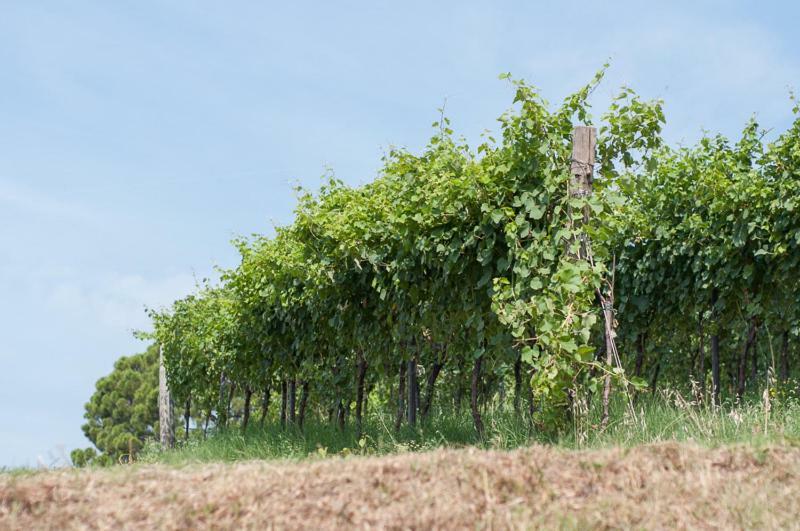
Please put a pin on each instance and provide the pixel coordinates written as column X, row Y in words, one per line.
column 666, row 417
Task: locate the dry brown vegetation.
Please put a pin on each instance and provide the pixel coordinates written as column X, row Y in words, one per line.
column 659, row 486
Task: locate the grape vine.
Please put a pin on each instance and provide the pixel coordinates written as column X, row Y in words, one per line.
column 482, row 268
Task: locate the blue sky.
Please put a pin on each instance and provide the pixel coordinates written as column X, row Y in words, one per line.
column 137, row 138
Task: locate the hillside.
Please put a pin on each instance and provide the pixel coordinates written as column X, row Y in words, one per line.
column 658, row 486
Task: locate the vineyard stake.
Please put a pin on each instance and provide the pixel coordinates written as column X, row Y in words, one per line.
column 165, row 427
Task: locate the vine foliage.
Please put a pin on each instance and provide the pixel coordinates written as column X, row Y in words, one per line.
column 484, row 265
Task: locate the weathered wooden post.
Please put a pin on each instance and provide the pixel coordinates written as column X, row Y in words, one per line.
column 165, row 406
column 584, row 141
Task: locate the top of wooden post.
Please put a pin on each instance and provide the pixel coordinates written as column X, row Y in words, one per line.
column 584, row 139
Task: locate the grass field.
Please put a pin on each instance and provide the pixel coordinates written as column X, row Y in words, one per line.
column 661, row 486
column 666, row 417
column 671, row 465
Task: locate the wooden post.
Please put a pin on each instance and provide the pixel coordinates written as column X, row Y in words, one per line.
column 284, row 399
column 165, row 406
column 583, row 148
column 360, row 375
column 412, row 392
column 701, row 349
column 584, row 140
column 473, row 396
column 611, row 347
column 292, row 400
column 715, row 349
column 187, row 412
column 401, row 389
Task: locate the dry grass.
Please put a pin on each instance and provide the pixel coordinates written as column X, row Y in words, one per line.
column 660, row 486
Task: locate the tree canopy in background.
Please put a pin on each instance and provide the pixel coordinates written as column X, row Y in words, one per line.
column 123, row 411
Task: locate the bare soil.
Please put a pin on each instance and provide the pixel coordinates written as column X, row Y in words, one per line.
column 663, row 486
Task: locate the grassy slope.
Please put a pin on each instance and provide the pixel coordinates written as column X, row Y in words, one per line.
column 724, row 468
column 668, row 485
column 656, row 420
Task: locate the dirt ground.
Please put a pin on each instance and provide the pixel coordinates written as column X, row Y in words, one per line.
column 662, row 486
